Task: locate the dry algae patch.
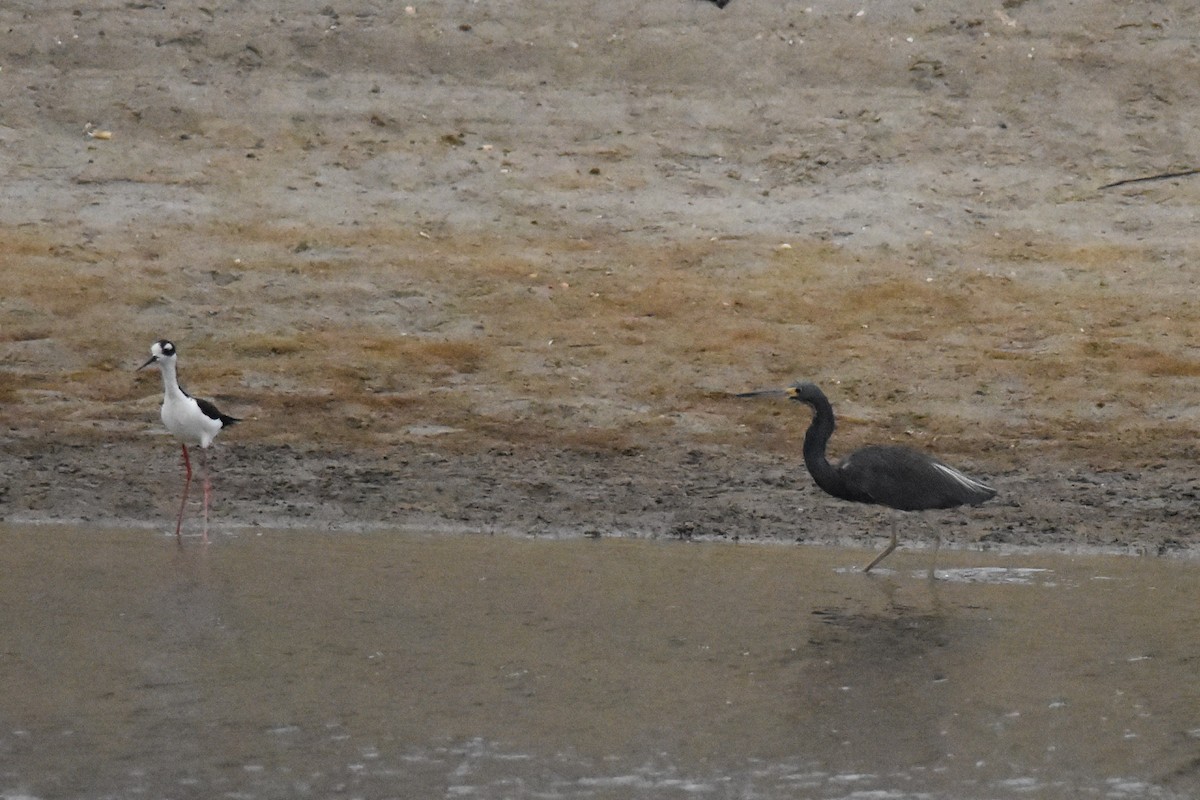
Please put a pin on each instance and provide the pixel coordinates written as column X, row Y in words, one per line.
column 352, row 336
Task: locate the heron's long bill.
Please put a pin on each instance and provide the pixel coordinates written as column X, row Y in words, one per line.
column 788, row 392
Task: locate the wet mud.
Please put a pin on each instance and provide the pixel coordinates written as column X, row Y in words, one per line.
column 702, row 494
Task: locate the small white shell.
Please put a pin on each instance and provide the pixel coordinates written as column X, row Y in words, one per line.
column 91, row 131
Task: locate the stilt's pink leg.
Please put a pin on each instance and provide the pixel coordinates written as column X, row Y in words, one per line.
column 187, row 465
column 207, row 491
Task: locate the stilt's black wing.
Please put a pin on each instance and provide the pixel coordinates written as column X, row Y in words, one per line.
column 212, row 412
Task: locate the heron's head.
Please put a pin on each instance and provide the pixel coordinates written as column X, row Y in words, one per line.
column 801, row 391
column 160, row 351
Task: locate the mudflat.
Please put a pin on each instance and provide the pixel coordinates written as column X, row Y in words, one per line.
column 499, row 266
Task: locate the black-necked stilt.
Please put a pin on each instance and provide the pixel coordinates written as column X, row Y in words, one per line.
column 189, row 419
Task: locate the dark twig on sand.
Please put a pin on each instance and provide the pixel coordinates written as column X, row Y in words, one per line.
column 1162, row 177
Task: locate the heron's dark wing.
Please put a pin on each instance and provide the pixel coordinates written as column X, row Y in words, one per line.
column 909, row 480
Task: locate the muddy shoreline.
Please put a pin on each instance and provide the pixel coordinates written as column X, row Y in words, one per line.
column 699, row 494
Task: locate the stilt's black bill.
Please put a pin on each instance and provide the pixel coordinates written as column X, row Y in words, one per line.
column 149, row 361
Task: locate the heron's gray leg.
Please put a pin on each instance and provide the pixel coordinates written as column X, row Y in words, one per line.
column 937, row 545
column 887, row 551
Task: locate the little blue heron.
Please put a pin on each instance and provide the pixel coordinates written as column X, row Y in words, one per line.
column 190, row 420
column 886, row 475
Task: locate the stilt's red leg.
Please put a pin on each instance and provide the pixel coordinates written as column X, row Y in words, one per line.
column 207, row 491
column 187, row 465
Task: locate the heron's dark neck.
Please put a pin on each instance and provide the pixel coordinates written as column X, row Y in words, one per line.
column 815, row 441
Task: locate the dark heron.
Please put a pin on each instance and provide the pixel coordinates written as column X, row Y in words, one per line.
column 886, row 475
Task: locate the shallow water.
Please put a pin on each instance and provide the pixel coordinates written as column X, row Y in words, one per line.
column 292, row 664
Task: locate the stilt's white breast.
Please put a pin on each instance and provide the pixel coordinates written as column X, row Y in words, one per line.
column 184, row 419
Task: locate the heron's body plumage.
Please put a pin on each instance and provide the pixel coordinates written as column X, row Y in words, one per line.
column 908, row 480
